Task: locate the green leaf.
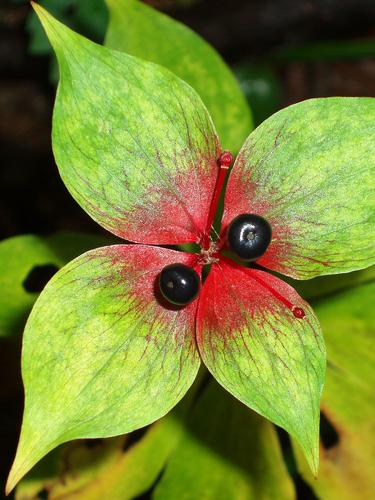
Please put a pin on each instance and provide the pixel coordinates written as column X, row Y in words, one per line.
column 260, row 352
column 309, row 170
column 102, row 355
column 227, row 452
column 22, row 255
column 132, row 141
column 347, row 467
column 139, row 30
column 115, row 468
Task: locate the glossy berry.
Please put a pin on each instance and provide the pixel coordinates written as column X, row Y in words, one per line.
column 249, row 236
column 179, row 284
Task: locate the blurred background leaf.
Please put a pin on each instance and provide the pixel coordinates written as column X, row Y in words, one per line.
column 262, row 89
column 327, row 51
column 324, row 286
column 227, row 452
column 27, row 263
column 347, row 465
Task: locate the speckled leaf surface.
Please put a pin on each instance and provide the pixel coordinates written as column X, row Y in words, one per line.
column 255, row 347
column 142, row 31
column 309, row 170
column 102, row 355
column 134, row 144
column 227, row 452
column 19, row 256
column 347, row 467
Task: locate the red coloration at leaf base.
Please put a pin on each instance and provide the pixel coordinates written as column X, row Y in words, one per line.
column 173, row 215
column 140, row 266
column 136, row 269
column 233, row 287
column 244, row 196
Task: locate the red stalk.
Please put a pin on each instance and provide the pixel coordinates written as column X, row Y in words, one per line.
column 225, row 161
column 298, row 312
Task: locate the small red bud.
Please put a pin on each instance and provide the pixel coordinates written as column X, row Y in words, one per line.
column 298, row 312
column 226, row 159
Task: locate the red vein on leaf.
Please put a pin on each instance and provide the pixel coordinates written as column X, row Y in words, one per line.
column 298, row 312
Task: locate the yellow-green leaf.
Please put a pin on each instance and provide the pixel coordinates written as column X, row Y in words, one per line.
column 134, row 144
column 102, row 356
column 309, row 170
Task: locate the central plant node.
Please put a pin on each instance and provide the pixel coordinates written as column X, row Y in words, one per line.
column 210, row 255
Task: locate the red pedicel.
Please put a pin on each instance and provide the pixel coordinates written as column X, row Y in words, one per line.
column 298, row 312
column 224, row 161
column 226, row 158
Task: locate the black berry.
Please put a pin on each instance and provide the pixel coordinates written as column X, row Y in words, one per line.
column 249, row 236
column 179, row 284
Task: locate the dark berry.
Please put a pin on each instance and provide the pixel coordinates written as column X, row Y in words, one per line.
column 179, row 284
column 249, row 236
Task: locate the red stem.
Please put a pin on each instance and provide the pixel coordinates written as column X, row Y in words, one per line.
column 297, row 311
column 225, row 160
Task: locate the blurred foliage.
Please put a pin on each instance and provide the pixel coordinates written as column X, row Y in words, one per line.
column 328, row 285
column 326, row 51
column 119, row 468
column 262, row 89
column 227, row 452
column 347, row 466
column 146, row 33
column 27, row 262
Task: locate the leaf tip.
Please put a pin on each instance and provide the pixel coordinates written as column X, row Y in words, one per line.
column 53, row 28
column 314, row 464
column 39, row 10
column 311, row 454
column 15, row 475
column 29, row 452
